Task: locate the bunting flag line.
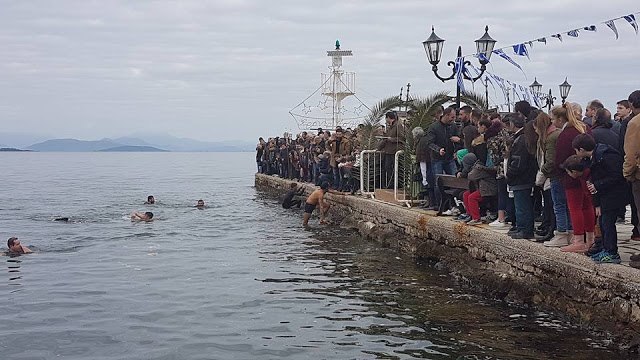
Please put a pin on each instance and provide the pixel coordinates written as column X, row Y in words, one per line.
column 613, row 28
column 632, row 20
column 557, row 36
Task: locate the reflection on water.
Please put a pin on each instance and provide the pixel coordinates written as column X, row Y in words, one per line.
column 238, row 280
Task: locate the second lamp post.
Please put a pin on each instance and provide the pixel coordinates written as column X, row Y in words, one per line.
column 433, row 47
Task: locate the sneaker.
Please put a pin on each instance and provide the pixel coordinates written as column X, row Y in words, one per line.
column 464, row 218
column 596, row 248
column 559, row 240
column 545, row 238
column 474, row 222
column 451, row 212
column 512, row 231
column 498, row 223
column 605, row 257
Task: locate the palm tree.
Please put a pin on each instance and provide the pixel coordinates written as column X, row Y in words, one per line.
column 371, row 123
column 475, row 100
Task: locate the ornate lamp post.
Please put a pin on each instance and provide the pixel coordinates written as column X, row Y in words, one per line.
column 433, row 47
column 536, row 88
column 565, row 87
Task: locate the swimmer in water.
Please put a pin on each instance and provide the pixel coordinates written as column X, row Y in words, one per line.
column 200, row 204
column 148, row 216
column 317, row 199
column 15, row 247
column 150, row 200
column 289, row 200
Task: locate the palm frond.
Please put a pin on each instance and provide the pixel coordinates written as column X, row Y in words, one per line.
column 426, row 108
column 475, row 100
column 372, row 122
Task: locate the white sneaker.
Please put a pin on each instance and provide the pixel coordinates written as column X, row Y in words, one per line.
column 452, row 212
column 559, row 240
column 498, row 223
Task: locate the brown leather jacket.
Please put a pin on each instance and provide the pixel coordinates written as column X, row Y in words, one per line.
column 394, row 139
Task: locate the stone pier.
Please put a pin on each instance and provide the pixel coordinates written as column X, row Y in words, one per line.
column 604, row 297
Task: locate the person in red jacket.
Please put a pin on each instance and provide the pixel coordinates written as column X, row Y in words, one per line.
column 578, row 196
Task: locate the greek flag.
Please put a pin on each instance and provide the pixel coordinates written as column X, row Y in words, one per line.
column 543, row 40
column 521, row 49
column 501, row 53
column 632, row 20
column 558, row 36
column 459, row 63
column 525, row 93
column 481, row 57
column 573, row 33
column 613, row 28
column 591, row 28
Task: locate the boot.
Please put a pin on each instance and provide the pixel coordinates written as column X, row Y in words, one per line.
column 577, row 245
column 591, row 238
column 560, row 239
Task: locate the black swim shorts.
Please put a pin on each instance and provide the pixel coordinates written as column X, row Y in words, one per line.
column 308, row 208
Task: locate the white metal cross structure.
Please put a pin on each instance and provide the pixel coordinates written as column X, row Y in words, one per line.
column 330, row 111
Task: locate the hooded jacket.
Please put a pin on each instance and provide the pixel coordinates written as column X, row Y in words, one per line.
column 606, row 175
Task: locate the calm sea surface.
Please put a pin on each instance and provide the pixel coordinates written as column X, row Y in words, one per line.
column 237, row 280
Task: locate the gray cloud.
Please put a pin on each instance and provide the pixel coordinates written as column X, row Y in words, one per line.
column 232, row 69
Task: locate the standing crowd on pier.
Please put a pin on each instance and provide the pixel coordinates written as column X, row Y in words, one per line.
column 562, row 178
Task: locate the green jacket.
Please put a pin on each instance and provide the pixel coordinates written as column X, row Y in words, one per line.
column 548, row 167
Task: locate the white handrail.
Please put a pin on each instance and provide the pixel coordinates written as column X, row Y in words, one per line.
column 365, row 174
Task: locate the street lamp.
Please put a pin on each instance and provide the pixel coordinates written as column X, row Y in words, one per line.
column 433, row 47
column 565, row 87
column 536, row 89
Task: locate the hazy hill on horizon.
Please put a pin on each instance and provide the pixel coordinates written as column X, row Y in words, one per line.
column 140, row 142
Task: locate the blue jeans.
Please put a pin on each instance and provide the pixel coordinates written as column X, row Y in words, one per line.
column 524, row 211
column 560, row 207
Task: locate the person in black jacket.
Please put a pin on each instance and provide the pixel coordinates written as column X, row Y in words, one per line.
column 441, row 137
column 521, row 175
column 610, row 192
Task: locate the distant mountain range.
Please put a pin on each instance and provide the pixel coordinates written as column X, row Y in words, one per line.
column 134, row 143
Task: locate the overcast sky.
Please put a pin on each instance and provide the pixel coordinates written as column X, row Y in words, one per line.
column 232, row 69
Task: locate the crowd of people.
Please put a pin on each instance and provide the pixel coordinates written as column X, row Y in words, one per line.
column 571, row 173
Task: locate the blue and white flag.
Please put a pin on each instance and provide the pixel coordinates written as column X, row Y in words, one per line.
column 543, row 40
column 481, row 57
column 521, row 49
column 558, row 36
column 591, row 28
column 573, row 33
column 613, row 28
column 525, row 93
column 501, row 53
column 632, row 20
column 459, row 67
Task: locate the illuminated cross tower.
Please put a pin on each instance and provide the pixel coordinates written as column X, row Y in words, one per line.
column 338, row 84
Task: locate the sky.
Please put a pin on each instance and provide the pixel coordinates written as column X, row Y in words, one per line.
column 233, row 69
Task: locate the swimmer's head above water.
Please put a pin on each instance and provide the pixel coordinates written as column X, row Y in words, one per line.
column 15, row 247
column 200, row 203
column 150, row 200
column 148, row 216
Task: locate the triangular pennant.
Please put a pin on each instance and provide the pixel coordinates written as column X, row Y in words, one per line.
column 530, row 43
column 573, row 33
column 558, row 36
column 613, row 28
column 543, row 40
column 501, row 53
column 632, row 20
column 590, row 28
column 521, row 49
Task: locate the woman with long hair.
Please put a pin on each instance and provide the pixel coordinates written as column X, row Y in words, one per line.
column 556, row 212
column 578, row 196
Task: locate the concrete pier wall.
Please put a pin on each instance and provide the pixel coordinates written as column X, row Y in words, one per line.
column 605, row 297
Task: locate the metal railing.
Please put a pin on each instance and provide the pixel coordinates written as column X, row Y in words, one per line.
column 405, row 189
